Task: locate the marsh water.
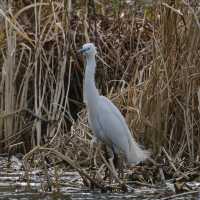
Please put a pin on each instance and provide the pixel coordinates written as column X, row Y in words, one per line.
column 14, row 186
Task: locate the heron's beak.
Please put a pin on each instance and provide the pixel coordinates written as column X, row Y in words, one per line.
column 83, row 50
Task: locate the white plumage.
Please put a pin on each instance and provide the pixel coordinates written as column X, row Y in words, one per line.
column 105, row 119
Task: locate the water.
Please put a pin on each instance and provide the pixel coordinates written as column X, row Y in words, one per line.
column 14, row 186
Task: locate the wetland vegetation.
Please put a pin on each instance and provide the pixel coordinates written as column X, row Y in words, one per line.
column 148, row 65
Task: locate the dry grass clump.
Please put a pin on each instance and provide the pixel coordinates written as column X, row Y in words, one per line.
column 153, row 53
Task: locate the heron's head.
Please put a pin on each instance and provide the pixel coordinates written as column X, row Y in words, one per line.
column 88, row 49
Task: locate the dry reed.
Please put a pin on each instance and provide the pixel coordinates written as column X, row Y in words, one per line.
column 153, row 53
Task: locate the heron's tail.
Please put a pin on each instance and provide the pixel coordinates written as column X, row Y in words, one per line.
column 135, row 153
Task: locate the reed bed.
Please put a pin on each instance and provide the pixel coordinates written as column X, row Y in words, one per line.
column 148, row 64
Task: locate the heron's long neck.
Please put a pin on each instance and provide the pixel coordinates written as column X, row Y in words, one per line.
column 90, row 91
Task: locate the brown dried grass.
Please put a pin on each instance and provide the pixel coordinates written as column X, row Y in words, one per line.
column 154, row 75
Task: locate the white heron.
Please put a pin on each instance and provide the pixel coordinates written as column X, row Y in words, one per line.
column 105, row 120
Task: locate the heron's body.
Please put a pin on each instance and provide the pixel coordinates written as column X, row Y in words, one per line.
column 105, row 119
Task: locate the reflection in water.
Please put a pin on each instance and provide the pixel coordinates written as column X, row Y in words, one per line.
column 14, row 186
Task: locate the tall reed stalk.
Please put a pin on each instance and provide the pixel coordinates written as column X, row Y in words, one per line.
column 153, row 53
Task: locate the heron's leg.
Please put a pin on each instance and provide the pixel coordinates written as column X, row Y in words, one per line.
column 91, row 151
column 114, row 172
column 112, row 166
column 110, row 159
column 92, row 143
column 121, row 168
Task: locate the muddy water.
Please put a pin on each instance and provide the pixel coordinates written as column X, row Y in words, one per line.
column 14, row 186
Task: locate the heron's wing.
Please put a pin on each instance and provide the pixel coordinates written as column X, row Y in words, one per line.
column 114, row 128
